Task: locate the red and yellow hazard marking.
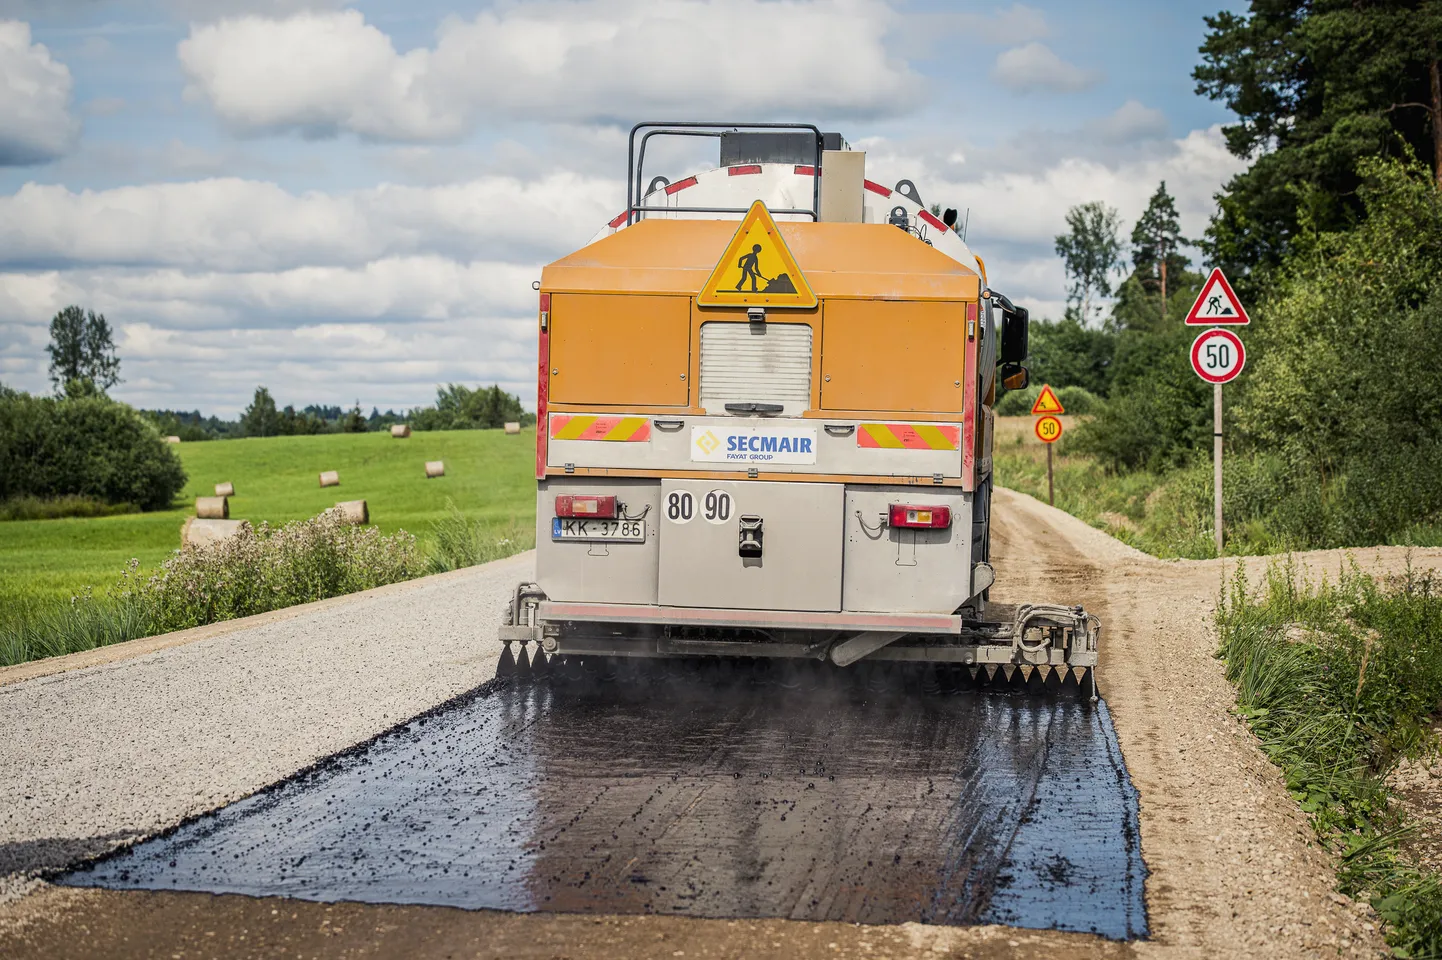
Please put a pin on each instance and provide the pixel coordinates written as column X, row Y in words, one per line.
column 588, row 427
column 908, row 436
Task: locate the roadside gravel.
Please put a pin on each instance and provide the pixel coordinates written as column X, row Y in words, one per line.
column 96, row 756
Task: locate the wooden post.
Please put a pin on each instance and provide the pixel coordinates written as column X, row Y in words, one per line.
column 1050, row 490
column 1217, row 463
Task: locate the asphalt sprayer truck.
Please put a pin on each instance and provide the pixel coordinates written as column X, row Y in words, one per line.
column 764, row 427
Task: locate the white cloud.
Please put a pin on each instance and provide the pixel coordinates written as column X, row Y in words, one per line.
column 321, row 73
column 1034, row 67
column 1016, row 213
column 1132, row 122
column 233, row 224
column 36, row 125
column 217, row 285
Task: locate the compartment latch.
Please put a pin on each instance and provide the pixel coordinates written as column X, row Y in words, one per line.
column 750, row 544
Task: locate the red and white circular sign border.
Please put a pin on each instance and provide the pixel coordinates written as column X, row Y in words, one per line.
column 1236, row 342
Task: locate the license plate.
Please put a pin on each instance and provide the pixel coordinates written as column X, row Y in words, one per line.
column 624, row 531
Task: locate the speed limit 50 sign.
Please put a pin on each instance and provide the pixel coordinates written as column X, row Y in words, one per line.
column 1218, row 356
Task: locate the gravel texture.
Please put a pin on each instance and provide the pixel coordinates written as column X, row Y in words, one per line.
column 99, row 755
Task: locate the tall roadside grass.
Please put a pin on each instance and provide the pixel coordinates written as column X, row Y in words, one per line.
column 256, row 571
column 457, row 541
column 1338, row 682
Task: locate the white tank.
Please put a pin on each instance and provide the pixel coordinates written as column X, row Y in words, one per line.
column 784, row 186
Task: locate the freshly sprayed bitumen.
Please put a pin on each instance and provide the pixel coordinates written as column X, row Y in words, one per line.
column 872, row 795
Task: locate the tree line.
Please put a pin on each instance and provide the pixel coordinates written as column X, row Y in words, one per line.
column 1333, row 237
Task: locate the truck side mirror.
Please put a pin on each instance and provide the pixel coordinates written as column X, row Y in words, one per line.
column 1013, row 335
column 1014, row 376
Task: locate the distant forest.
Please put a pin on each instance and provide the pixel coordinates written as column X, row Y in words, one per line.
column 457, row 407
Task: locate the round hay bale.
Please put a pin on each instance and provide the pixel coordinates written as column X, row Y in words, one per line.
column 353, row 511
column 435, row 468
column 331, row 478
column 172, row 439
column 400, row 430
column 512, row 428
column 196, row 532
column 212, row 508
column 225, row 489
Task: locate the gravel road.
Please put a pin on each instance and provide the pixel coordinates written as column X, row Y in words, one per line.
column 99, row 755
column 104, row 753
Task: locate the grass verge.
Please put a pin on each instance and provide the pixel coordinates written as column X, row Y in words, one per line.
column 256, row 571
column 1338, row 682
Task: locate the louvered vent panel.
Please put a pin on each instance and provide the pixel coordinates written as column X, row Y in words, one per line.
column 760, row 362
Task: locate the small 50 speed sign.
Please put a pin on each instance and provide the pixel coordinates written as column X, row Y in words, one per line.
column 1218, row 356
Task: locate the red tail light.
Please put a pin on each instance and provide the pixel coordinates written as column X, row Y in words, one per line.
column 922, row 518
column 586, row 506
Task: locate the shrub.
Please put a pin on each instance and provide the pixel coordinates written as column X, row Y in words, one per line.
column 88, row 446
column 254, row 572
column 266, row 569
column 1017, row 403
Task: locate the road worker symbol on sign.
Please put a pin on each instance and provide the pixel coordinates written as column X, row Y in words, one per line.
column 1046, row 402
column 757, row 269
column 1217, row 304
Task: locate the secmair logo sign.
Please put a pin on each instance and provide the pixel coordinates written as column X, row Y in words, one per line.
column 753, row 445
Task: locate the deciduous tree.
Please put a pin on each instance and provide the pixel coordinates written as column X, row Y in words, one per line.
column 1090, row 251
column 82, row 349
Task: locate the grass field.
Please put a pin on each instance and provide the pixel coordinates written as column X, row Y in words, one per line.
column 488, row 476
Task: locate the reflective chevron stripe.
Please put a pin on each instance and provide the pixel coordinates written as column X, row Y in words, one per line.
column 587, row 427
column 908, row 436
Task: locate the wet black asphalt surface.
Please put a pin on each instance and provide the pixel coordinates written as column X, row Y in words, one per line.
column 878, row 794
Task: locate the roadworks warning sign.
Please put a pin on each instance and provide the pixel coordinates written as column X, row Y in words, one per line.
column 757, row 270
column 1217, row 304
column 1046, row 402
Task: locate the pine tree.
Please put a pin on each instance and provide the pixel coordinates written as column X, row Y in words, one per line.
column 260, row 419
column 1155, row 240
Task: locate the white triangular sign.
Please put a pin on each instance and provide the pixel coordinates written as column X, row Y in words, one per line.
column 1217, row 305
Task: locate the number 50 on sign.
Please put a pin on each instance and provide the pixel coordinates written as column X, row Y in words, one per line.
column 1218, row 356
column 1048, row 429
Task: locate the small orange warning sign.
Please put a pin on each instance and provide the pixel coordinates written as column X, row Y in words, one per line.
column 1046, row 402
column 757, row 269
column 1048, row 430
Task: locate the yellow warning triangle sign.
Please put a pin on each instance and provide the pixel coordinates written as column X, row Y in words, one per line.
column 1047, row 402
column 757, row 270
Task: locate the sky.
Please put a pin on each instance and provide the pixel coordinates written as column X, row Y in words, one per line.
column 349, row 202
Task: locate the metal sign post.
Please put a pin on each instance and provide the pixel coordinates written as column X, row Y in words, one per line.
column 1048, row 430
column 1217, row 463
column 1217, row 357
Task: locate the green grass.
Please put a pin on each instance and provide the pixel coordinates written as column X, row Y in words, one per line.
column 488, row 476
column 1159, row 515
column 1339, row 682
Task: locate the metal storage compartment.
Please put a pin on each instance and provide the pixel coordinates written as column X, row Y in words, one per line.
column 896, row 570
column 800, row 563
